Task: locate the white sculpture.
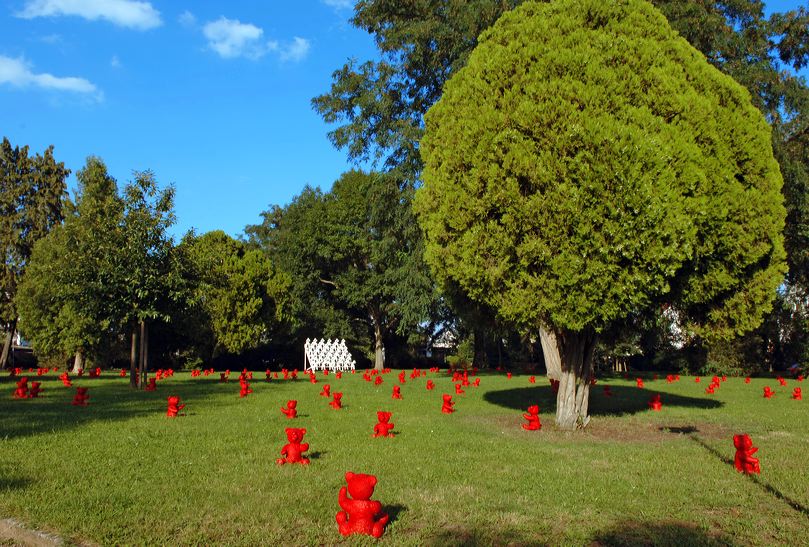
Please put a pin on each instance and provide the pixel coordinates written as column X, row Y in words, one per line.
column 332, row 355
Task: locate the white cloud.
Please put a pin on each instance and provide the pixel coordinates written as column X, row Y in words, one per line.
column 115, row 62
column 187, row 19
column 231, row 38
column 295, row 51
column 340, row 4
column 17, row 73
column 124, row 13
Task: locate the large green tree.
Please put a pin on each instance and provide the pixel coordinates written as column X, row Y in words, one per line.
column 31, row 194
column 587, row 163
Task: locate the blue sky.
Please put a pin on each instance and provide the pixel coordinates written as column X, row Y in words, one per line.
column 212, row 96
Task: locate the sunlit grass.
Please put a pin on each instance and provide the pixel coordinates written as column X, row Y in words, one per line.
column 119, row 471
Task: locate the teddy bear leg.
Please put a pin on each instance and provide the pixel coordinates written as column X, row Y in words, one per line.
column 342, row 523
column 281, row 461
column 305, row 461
column 379, row 527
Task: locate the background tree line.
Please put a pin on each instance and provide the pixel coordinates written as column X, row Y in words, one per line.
column 96, row 276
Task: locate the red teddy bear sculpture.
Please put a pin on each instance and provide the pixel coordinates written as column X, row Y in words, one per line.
column 292, row 452
column 174, row 407
column 22, row 389
column 65, row 379
column 397, row 393
column 35, row 390
column 360, row 514
column 533, row 419
column 796, row 393
column 244, row 388
column 446, row 407
column 378, row 380
column 337, row 401
column 430, row 385
column 768, row 393
column 290, row 410
column 402, row 377
column 326, row 391
column 655, row 403
column 81, row 397
column 459, row 389
column 384, row 427
column 744, row 461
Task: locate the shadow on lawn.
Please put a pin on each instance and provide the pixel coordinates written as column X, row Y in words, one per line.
column 109, row 401
column 624, row 400
column 8, row 483
column 474, row 537
column 632, row 533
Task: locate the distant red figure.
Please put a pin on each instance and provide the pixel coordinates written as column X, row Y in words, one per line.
column 339, row 374
column 402, row 377
column 268, row 375
column 476, row 383
column 22, row 389
column 430, row 385
column 366, row 376
column 796, row 393
column 65, row 379
column 724, row 378
column 415, row 374
column 508, row 375
column 81, row 397
column 384, row 427
column 800, row 378
column 174, row 407
column 747, row 380
column 35, row 390
column 326, row 391
column 639, row 382
column 782, row 382
column 294, row 374
column 196, row 373
column 744, row 460
column 325, row 372
column 397, row 393
column 710, row 389
column 459, row 389
column 533, row 419
column 378, row 380
column 337, row 401
column 159, row 374
column 292, row 452
column 655, row 377
column 313, row 378
column 532, row 380
column 655, row 403
column 697, row 379
column 122, row 373
column 80, row 372
column 152, row 385
column 768, row 393
column 360, row 515
column 285, row 372
column 244, row 388
column 290, row 411
column 223, row 377
column 554, row 385
column 446, row 407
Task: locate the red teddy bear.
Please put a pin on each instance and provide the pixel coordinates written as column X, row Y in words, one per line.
column 174, row 406
column 744, row 461
column 446, row 408
column 796, row 393
column 151, row 386
column 326, row 391
column 290, row 410
column 430, row 385
column 384, row 427
column 533, row 419
column 360, row 515
column 22, row 389
column 244, row 390
column 36, row 390
column 337, row 402
column 397, row 393
column 655, row 403
column 768, row 393
column 81, row 397
column 294, row 449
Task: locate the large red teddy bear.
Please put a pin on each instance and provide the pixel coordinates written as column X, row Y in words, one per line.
column 294, row 449
column 290, row 410
column 744, row 460
column 36, row 389
column 81, row 397
column 360, row 515
column 533, row 419
column 397, row 393
column 337, row 401
column 447, row 405
column 174, row 407
column 383, row 428
column 22, row 389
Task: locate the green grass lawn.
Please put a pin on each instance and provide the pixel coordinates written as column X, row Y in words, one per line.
column 120, row 472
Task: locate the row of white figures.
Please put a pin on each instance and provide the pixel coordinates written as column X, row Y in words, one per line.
column 330, row 355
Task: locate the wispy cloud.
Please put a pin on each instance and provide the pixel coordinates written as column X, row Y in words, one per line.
column 124, row 13
column 230, row 38
column 115, row 62
column 187, row 19
column 339, row 4
column 18, row 73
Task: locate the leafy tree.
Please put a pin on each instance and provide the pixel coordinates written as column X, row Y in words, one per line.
column 588, row 164
column 239, row 298
column 350, row 257
column 31, row 193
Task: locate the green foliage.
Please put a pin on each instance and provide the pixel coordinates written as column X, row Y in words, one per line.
column 31, row 193
column 587, row 163
column 238, row 297
column 464, row 355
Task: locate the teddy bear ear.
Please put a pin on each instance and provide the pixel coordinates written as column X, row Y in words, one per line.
column 303, row 431
column 372, row 480
column 349, row 476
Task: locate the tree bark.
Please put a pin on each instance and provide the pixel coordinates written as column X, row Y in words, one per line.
column 144, row 352
column 550, row 353
column 479, row 359
column 7, row 340
column 379, row 348
column 572, row 402
column 133, row 363
column 78, row 361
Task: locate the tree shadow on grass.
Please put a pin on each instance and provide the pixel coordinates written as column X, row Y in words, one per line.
column 13, row 483
column 624, row 400
column 681, row 534
column 109, row 401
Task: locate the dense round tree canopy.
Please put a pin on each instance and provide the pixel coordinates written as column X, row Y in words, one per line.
column 588, row 163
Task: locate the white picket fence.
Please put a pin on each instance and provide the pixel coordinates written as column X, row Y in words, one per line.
column 332, row 355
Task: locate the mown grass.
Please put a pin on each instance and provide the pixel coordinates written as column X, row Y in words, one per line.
column 120, row 472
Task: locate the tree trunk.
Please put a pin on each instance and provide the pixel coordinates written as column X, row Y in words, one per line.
column 479, row 359
column 7, row 340
column 78, row 361
column 144, row 352
column 133, row 363
column 550, row 353
column 379, row 348
column 576, row 351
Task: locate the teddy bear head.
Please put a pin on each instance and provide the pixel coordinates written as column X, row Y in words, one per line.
column 360, row 485
column 174, row 400
column 81, row 390
column 533, row 409
column 295, row 434
column 447, row 398
column 292, row 404
column 742, row 442
column 338, row 396
column 383, row 417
